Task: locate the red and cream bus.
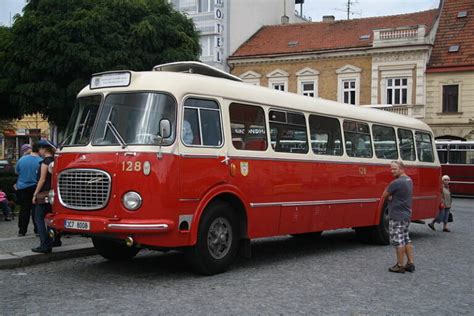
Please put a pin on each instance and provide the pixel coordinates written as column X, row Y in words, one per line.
column 188, row 157
column 457, row 161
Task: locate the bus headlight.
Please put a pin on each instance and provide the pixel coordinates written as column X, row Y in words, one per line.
column 51, row 196
column 132, row 200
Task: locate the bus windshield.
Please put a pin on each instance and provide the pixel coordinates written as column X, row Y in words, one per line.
column 136, row 117
column 82, row 120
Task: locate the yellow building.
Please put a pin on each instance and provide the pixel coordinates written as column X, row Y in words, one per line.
column 29, row 129
column 450, row 73
column 370, row 61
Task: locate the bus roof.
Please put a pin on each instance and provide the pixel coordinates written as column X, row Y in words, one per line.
column 181, row 84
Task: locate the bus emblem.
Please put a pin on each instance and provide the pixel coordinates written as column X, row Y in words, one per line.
column 244, row 168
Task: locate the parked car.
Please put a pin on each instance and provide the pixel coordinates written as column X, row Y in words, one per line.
column 6, row 166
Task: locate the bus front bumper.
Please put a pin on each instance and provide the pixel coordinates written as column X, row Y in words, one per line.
column 81, row 224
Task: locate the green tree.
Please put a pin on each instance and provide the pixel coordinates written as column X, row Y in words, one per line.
column 57, row 44
column 6, row 111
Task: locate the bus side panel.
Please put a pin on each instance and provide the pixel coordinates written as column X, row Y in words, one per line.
column 426, row 192
column 253, row 177
column 463, row 174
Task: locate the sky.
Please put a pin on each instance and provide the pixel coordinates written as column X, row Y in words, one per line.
column 313, row 8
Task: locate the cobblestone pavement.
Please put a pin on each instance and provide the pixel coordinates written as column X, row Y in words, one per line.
column 10, row 242
column 337, row 275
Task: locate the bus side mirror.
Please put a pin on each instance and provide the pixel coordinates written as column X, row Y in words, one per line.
column 165, row 128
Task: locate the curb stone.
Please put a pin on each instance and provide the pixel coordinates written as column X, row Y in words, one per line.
column 28, row 258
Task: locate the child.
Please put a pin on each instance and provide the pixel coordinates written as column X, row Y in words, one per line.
column 4, row 205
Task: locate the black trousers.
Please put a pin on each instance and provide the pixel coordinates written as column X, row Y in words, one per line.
column 25, row 197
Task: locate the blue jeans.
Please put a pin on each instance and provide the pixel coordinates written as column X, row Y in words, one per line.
column 40, row 213
column 443, row 216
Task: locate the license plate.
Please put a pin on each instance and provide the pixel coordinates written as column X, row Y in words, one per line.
column 80, row 225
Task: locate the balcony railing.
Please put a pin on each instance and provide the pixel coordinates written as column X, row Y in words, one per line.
column 398, row 36
column 413, row 110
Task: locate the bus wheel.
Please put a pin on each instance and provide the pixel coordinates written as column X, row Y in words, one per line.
column 378, row 234
column 309, row 236
column 114, row 250
column 217, row 240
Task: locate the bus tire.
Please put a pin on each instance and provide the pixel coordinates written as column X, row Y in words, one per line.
column 378, row 234
column 114, row 250
column 217, row 241
column 309, row 236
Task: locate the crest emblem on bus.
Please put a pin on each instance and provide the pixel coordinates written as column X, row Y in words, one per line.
column 244, row 168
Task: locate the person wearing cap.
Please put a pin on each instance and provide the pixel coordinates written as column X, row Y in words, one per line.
column 46, row 150
column 27, row 169
column 445, row 207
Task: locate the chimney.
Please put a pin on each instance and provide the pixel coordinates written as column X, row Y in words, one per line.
column 328, row 18
column 285, row 19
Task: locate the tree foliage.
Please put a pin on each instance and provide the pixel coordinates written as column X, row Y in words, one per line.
column 56, row 45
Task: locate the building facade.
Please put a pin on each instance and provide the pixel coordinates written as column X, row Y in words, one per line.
column 28, row 130
column 450, row 73
column 225, row 24
column 378, row 62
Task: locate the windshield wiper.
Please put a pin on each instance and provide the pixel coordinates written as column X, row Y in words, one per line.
column 116, row 133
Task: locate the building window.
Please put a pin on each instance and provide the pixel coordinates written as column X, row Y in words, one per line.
column 307, row 82
column 247, row 124
column 307, row 88
column 205, row 5
column 348, row 84
column 288, row 132
column 278, row 80
column 349, row 91
column 450, row 98
column 357, row 136
column 385, row 142
column 397, row 91
column 326, row 136
column 278, row 86
column 202, row 123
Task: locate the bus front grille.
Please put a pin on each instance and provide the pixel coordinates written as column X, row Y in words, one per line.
column 84, row 189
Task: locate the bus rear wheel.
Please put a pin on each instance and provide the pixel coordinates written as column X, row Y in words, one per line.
column 114, row 250
column 378, row 234
column 217, row 241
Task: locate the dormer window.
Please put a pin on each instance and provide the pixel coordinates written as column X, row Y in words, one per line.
column 454, row 48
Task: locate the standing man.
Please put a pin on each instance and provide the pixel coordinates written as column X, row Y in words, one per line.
column 27, row 170
column 399, row 193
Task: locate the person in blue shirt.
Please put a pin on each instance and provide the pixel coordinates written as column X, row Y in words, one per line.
column 27, row 170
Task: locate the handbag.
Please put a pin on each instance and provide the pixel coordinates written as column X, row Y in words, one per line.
column 450, row 218
column 42, row 197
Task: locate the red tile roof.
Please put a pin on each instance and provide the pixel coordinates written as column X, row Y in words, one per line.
column 454, row 31
column 321, row 36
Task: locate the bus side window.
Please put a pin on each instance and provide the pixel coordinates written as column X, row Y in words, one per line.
column 424, row 147
column 326, row 136
column 385, row 142
column 201, row 123
column 406, row 144
column 247, row 124
column 288, row 132
column 357, row 134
